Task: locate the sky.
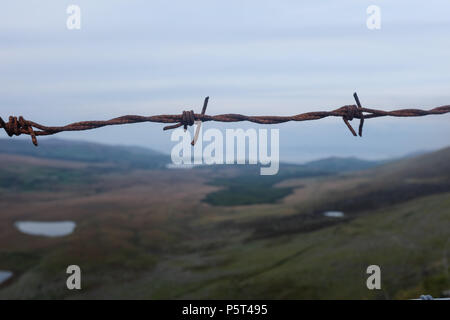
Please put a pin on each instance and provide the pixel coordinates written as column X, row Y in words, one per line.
column 251, row 57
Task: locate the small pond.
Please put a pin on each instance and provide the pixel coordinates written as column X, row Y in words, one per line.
column 334, row 214
column 5, row 275
column 47, row 229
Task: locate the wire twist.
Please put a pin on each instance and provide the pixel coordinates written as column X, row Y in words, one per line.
column 17, row 126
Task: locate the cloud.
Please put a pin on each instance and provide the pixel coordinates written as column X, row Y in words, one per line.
column 254, row 57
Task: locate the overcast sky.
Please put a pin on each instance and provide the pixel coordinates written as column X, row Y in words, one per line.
column 252, row 57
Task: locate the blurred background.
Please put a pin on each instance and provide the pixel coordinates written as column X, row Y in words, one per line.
column 106, row 201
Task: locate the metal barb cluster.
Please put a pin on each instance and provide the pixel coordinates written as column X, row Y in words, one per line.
column 17, row 126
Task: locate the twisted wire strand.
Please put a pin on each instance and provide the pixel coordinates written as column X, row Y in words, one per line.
column 17, row 126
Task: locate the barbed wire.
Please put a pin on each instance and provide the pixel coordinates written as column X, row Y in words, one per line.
column 17, row 126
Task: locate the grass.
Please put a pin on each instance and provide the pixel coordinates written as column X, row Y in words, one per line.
column 330, row 263
column 41, row 178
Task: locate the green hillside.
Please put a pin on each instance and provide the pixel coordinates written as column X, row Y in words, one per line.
column 56, row 149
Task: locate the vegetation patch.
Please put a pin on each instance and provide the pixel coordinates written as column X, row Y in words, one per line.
column 251, row 188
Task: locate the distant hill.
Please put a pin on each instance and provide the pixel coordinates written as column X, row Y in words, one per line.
column 65, row 162
column 336, row 164
column 390, row 181
column 432, row 165
column 144, row 158
column 245, row 186
column 398, row 181
column 56, row 149
column 391, row 184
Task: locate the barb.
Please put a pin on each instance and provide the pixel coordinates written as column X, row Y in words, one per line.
column 349, row 112
column 199, row 123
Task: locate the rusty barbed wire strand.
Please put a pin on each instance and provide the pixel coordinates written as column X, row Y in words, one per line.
column 17, row 126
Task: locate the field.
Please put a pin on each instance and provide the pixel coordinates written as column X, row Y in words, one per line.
column 147, row 232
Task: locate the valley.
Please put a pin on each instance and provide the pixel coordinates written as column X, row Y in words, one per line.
column 149, row 232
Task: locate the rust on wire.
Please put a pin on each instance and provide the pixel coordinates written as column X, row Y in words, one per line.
column 17, row 126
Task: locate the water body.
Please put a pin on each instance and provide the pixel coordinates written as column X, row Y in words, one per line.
column 334, row 214
column 5, row 275
column 47, row 229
